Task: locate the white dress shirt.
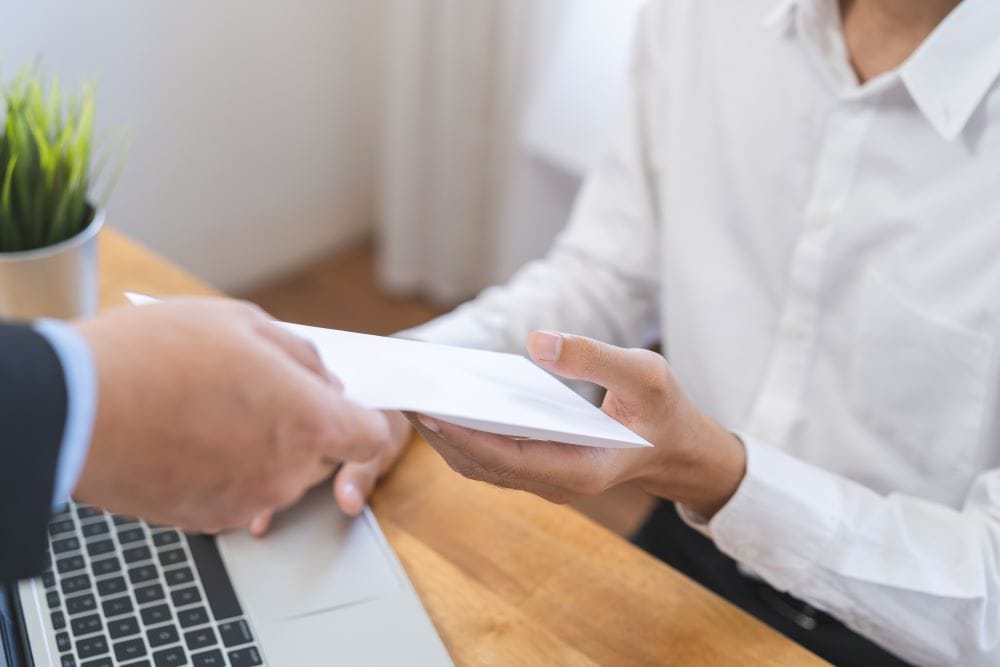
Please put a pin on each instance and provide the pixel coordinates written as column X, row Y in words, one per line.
column 821, row 260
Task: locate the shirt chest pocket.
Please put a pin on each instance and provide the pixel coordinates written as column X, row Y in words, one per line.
column 918, row 382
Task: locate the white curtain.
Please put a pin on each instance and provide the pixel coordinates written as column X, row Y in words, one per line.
column 493, row 111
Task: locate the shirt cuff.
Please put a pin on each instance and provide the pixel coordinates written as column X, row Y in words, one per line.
column 81, row 408
column 780, row 520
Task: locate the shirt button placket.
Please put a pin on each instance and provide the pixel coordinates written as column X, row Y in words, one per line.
column 778, row 404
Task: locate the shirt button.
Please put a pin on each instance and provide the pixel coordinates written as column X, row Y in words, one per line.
column 746, row 552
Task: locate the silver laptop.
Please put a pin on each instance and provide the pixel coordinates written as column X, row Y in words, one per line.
column 320, row 589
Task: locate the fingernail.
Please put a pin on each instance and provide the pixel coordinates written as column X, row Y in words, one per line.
column 352, row 494
column 548, row 345
column 429, row 424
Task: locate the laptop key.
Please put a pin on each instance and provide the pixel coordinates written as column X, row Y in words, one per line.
column 53, row 599
column 136, row 554
column 86, row 625
column 185, row 596
column 235, row 633
column 156, row 615
column 142, row 574
column 62, row 642
column 199, row 639
column 86, row 513
column 147, row 594
column 141, row 663
column 65, row 544
column 80, row 604
column 105, row 566
column 192, row 617
column 112, row 586
column 163, row 538
column 179, row 576
column 172, row 557
column 208, row 659
column 245, row 657
column 67, row 661
column 121, row 520
column 91, row 647
column 70, row 564
column 130, row 649
column 170, row 657
column 100, row 548
column 75, row 584
column 128, row 535
column 162, row 636
column 49, row 579
column 123, row 627
column 58, row 620
column 60, row 527
column 95, row 529
column 117, row 607
column 100, row 662
column 214, row 577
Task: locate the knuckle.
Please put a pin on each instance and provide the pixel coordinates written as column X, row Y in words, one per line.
column 593, row 358
column 505, row 472
column 466, row 469
column 557, row 497
column 250, row 310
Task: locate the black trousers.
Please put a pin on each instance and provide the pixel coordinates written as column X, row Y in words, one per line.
column 667, row 537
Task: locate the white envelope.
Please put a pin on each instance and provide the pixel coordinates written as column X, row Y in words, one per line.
column 489, row 391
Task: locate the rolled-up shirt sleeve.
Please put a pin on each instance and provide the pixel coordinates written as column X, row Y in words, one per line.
column 917, row 577
column 81, row 410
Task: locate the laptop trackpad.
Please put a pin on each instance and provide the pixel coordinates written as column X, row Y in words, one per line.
column 315, row 559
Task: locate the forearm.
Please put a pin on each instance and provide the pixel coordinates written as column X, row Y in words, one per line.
column 34, row 413
column 919, row 578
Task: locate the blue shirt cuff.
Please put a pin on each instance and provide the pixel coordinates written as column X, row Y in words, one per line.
column 81, row 404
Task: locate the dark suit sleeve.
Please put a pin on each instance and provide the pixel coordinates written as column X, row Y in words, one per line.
column 33, row 405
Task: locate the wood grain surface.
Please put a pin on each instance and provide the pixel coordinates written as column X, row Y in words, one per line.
column 509, row 579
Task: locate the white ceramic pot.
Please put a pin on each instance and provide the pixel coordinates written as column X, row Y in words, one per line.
column 60, row 280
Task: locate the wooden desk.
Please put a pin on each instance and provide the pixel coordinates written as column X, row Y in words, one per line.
column 509, row 579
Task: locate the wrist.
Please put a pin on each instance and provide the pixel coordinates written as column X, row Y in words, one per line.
column 700, row 466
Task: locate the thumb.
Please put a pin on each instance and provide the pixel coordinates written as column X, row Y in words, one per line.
column 353, row 484
column 580, row 358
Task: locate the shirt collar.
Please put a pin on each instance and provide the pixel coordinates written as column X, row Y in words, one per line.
column 951, row 71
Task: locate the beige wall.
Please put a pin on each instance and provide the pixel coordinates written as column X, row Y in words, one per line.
column 252, row 121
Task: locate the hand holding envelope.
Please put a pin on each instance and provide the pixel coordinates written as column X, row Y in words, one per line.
column 502, row 419
column 488, row 391
column 695, row 462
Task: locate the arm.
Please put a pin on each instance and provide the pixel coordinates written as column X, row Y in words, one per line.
column 919, row 578
column 33, row 409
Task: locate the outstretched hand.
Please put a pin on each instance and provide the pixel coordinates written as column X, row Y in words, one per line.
column 694, row 460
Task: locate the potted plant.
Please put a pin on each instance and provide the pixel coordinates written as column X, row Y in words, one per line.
column 49, row 225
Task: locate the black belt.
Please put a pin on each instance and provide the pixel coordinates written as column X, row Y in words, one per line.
column 790, row 607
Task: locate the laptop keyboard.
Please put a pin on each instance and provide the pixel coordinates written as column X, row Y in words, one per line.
column 122, row 592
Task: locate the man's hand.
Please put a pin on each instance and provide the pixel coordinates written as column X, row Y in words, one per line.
column 355, row 481
column 209, row 414
column 694, row 460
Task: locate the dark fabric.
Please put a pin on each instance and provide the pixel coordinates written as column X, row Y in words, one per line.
column 32, row 418
column 667, row 537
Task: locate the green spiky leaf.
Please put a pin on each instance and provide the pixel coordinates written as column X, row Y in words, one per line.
column 46, row 154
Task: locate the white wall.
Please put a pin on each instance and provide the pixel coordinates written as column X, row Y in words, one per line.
column 253, row 121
